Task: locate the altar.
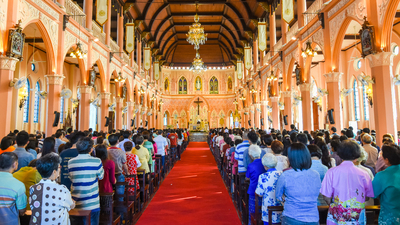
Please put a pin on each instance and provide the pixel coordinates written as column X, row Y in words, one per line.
column 199, row 127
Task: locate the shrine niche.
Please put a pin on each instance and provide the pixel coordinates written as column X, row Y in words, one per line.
column 198, row 84
column 182, row 86
column 230, row 84
column 166, row 85
column 213, row 85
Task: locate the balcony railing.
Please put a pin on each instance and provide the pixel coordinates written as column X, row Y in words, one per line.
column 114, row 46
column 98, row 33
column 312, row 11
column 75, row 12
column 292, row 32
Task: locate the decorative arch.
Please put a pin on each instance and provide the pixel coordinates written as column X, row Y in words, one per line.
column 182, row 85
column 105, row 85
column 129, row 94
column 213, row 85
column 385, row 37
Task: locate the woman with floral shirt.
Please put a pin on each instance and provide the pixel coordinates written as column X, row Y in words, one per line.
column 346, row 187
column 266, row 188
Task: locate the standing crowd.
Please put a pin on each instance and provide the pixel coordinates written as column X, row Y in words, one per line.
column 305, row 171
column 45, row 177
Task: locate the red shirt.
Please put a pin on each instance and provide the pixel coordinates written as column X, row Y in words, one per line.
column 173, row 138
column 105, row 185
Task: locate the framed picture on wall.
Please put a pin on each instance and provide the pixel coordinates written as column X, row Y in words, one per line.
column 367, row 39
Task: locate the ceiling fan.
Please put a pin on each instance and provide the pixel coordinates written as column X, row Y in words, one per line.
column 33, row 52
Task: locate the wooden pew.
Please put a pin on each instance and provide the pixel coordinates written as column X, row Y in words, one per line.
column 72, row 213
column 107, row 215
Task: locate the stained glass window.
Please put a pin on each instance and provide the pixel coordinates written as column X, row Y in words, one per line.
column 37, row 104
column 62, row 110
column 356, row 101
column 182, row 85
column 213, row 85
column 365, row 100
column 26, row 106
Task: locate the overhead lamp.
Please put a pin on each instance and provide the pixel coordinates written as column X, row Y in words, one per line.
column 198, row 64
column 196, row 35
column 272, row 77
column 242, row 98
column 252, row 90
column 309, row 51
column 153, row 98
column 235, row 102
column 161, row 102
column 78, row 52
column 142, row 91
column 119, row 78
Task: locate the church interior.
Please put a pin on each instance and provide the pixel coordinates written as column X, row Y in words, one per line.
column 200, row 68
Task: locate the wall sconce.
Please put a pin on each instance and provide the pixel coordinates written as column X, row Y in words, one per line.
column 23, row 94
column 369, row 95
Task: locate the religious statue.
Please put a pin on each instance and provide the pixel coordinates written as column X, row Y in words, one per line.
column 92, row 79
column 166, row 85
column 229, row 84
column 198, row 84
column 124, row 91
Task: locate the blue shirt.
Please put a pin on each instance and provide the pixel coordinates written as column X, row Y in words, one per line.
column 240, row 148
column 301, row 190
column 320, row 168
column 254, row 170
column 24, row 157
column 33, row 152
column 13, row 198
column 247, row 159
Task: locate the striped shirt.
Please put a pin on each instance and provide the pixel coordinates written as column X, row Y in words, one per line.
column 12, row 198
column 84, row 172
column 240, row 148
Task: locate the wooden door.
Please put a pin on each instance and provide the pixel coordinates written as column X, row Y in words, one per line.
column 111, row 116
column 316, row 116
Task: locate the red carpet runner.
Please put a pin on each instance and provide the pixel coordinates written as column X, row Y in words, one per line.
column 193, row 193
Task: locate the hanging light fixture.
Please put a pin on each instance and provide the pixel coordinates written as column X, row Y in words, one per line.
column 309, row 51
column 272, row 76
column 198, row 64
column 153, row 98
column 196, row 35
column 253, row 90
column 119, row 78
column 78, row 52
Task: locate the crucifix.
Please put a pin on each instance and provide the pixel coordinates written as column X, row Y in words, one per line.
column 198, row 102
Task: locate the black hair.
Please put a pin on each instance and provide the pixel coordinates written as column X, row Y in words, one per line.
column 47, row 164
column 335, row 145
column 315, row 151
column 253, row 137
column 325, row 159
column 333, row 129
column 293, row 137
column 33, row 144
column 6, row 142
column 126, row 134
column 349, row 150
column 48, row 146
column 69, row 130
column 299, row 157
column 343, row 138
column 128, row 146
column 74, row 138
column 392, row 153
column 100, row 140
column 292, row 127
column 302, row 138
column 101, row 152
column 22, row 138
column 84, row 145
column 58, row 134
column 267, row 139
column 139, row 140
column 7, row 159
column 238, row 141
column 113, row 139
column 349, row 133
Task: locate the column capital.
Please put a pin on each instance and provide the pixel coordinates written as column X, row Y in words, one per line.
column 305, row 87
column 286, row 94
column 130, row 104
column 264, row 102
column 8, row 63
column 85, row 89
column 105, row 95
column 274, row 99
column 380, row 59
column 54, row 79
column 137, row 106
column 333, row 77
column 119, row 100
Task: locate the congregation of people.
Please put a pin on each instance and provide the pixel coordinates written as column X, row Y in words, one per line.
column 302, row 172
column 44, row 178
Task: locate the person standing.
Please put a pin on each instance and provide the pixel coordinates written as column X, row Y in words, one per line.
column 12, row 191
column 24, row 157
column 371, row 150
column 162, row 145
column 173, row 137
column 85, row 171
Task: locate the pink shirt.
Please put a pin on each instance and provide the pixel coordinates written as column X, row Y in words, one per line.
column 348, row 186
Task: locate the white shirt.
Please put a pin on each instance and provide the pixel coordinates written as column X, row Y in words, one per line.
column 161, row 143
column 121, row 144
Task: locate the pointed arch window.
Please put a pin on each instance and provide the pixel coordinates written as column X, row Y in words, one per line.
column 62, row 110
column 28, row 98
column 365, row 102
column 213, row 85
column 36, row 108
column 165, row 119
column 356, row 101
column 182, row 85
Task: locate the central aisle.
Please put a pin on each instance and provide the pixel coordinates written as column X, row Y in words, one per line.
column 192, row 193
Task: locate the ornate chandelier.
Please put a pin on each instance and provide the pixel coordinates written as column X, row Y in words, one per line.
column 78, row 52
column 198, row 64
column 309, row 51
column 196, row 35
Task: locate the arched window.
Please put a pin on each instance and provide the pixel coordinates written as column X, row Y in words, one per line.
column 165, row 119
column 28, row 98
column 365, row 101
column 213, row 85
column 182, row 85
column 62, row 110
column 37, row 104
column 356, row 101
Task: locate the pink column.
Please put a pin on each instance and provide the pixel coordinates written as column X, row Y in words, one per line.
column 144, row 116
column 105, row 100
column 7, row 68
column 137, row 118
column 383, row 94
column 275, row 112
column 334, row 102
column 139, row 54
column 301, row 8
column 129, row 114
column 108, row 25
column 284, row 30
column 272, row 33
column 242, row 119
column 118, row 112
column 307, row 107
column 257, row 116
column 246, row 118
column 121, row 33
column 252, row 113
column 84, row 108
column 287, row 95
column 255, row 54
column 88, row 12
column 264, row 111
column 54, row 85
